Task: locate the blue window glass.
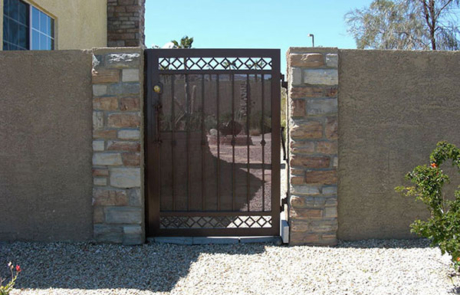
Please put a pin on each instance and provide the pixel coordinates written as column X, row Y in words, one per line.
column 23, row 13
column 35, row 40
column 22, row 31
column 35, row 18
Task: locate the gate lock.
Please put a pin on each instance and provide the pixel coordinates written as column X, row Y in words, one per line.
column 157, row 88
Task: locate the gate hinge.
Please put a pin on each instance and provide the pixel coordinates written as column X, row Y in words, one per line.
column 284, row 201
column 284, row 84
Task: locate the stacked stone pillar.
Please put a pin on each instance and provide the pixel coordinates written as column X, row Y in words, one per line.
column 313, row 85
column 118, row 203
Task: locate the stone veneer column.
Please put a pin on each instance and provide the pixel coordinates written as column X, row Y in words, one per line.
column 125, row 23
column 118, row 200
column 313, row 85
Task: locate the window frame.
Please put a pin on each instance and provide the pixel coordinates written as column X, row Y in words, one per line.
column 30, row 28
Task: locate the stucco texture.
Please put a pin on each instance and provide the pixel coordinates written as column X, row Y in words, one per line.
column 80, row 24
column 394, row 106
column 45, row 146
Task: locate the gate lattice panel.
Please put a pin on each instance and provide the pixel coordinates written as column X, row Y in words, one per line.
column 213, row 142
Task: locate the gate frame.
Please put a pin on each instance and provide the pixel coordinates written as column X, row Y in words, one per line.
column 152, row 203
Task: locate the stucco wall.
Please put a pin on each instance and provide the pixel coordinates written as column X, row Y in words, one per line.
column 80, row 24
column 394, row 107
column 45, row 146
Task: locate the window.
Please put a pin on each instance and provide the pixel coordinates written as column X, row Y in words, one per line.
column 25, row 27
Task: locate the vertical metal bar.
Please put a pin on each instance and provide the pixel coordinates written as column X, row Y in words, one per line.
column 276, row 151
column 152, row 174
column 248, row 122
column 233, row 142
column 203, row 145
column 218, row 143
column 263, row 144
column 187, row 128
column 173, row 141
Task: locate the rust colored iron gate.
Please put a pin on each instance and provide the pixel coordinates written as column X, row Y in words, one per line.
column 212, row 142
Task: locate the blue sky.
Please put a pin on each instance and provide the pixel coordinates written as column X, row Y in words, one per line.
column 250, row 23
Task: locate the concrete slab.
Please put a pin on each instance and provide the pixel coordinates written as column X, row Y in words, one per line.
column 248, row 240
column 174, row 240
column 215, row 240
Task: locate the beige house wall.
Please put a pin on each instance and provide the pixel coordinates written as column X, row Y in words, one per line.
column 80, row 24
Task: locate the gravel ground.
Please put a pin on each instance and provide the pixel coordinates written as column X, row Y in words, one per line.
column 365, row 267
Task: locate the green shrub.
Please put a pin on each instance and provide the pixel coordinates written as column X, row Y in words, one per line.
column 443, row 226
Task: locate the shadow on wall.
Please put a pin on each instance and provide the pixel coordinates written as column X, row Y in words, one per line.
column 92, row 267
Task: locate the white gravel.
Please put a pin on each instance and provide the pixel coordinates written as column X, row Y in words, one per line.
column 365, row 267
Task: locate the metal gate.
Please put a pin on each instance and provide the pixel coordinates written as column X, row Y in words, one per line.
column 212, row 142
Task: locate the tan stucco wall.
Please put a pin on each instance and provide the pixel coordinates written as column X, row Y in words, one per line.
column 80, row 24
column 45, row 146
column 394, row 107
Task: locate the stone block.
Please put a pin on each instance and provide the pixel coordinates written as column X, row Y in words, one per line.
column 296, row 180
column 302, row 147
column 98, row 145
column 335, row 162
column 331, row 202
column 130, row 104
column 99, row 89
column 125, row 177
column 105, row 103
column 332, row 128
column 307, row 130
column 131, row 159
column 310, row 162
column 123, row 215
column 129, row 134
column 321, row 77
column 106, row 76
column 307, row 202
column 124, row 120
column 110, row 197
column 135, row 197
column 322, row 106
column 306, row 213
column 312, row 91
column 329, row 190
column 123, row 89
column 105, row 134
column 98, row 120
column 299, row 225
column 126, row 146
column 123, row 60
column 327, row 147
column 306, row 60
column 330, row 212
column 295, row 76
column 108, row 233
column 100, row 172
column 98, row 215
column 100, row 181
column 321, row 177
column 315, row 202
column 305, row 190
column 298, row 108
column 324, row 226
column 107, row 159
column 132, row 230
column 130, row 75
column 301, row 238
column 332, row 60
column 297, row 171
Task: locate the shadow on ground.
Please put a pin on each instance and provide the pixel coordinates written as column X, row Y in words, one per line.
column 152, row 267
column 386, row 244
